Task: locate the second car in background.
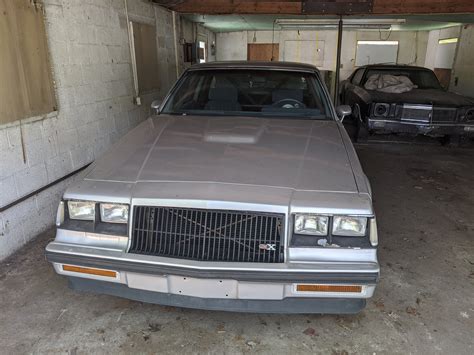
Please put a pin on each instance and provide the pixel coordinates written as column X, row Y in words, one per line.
column 405, row 99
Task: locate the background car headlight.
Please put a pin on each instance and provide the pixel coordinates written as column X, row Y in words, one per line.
column 349, row 226
column 311, row 224
column 381, row 110
column 469, row 115
column 113, row 213
column 82, row 210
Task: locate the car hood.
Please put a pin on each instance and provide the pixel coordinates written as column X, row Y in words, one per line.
column 287, row 153
column 423, row 96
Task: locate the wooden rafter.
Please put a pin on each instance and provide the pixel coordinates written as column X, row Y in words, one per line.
column 294, row 7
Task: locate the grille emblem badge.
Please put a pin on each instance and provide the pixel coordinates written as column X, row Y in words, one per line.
column 269, row 247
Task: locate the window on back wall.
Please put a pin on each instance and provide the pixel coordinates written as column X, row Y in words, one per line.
column 146, row 57
column 376, row 52
column 202, row 55
column 26, row 84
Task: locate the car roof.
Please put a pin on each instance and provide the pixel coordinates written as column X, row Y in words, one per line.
column 393, row 66
column 241, row 64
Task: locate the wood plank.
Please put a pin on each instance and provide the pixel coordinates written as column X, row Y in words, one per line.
column 146, row 54
column 263, row 51
column 422, row 6
column 240, row 7
column 26, row 82
column 294, row 7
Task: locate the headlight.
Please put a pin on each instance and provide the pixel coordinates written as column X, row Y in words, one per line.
column 311, row 224
column 381, row 110
column 349, row 226
column 113, row 213
column 82, row 210
column 470, row 115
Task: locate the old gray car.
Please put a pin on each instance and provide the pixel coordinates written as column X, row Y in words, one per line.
column 242, row 193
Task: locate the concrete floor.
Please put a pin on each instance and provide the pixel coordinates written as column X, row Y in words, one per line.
column 424, row 197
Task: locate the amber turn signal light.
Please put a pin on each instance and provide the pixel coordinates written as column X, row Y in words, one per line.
column 90, row 271
column 329, row 288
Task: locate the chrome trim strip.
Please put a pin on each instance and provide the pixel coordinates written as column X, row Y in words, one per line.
column 418, row 107
column 364, row 272
column 430, row 125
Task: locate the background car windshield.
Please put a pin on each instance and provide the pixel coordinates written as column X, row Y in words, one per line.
column 266, row 93
column 424, row 79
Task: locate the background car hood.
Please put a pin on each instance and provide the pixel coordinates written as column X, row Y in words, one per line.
column 423, row 96
column 288, row 153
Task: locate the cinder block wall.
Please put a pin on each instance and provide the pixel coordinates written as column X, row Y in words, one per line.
column 90, row 58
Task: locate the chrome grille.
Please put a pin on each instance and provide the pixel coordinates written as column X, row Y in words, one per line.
column 444, row 115
column 208, row 235
column 419, row 113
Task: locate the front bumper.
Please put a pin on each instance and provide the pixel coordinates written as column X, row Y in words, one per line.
column 429, row 129
column 247, row 288
column 287, row 305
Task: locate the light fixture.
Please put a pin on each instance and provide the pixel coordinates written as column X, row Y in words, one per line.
column 333, row 23
column 448, row 40
column 379, row 43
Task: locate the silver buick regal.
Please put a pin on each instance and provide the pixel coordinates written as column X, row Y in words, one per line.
column 242, row 193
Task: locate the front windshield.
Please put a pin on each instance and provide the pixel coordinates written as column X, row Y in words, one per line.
column 423, row 79
column 266, row 93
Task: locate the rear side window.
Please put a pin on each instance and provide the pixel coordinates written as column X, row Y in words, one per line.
column 357, row 77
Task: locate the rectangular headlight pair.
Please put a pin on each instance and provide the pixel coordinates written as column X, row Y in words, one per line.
column 109, row 212
column 311, row 224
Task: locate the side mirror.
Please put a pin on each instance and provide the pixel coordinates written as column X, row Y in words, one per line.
column 155, row 106
column 342, row 111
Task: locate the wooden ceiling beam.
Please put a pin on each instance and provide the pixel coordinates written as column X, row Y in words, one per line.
column 221, row 7
column 294, row 7
column 422, row 6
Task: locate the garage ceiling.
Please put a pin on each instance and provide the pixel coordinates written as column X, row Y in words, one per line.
column 319, row 7
column 238, row 22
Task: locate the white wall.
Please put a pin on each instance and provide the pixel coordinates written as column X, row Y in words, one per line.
column 231, row 46
column 433, row 45
column 462, row 75
column 462, row 78
column 412, row 45
column 91, row 67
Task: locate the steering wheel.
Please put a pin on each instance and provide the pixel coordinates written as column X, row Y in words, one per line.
column 289, row 103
